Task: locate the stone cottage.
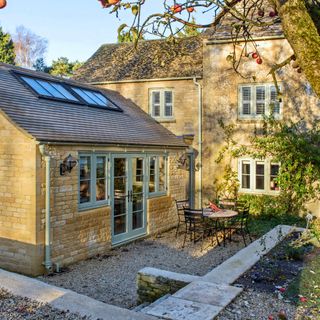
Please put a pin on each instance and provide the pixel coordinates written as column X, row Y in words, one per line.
column 191, row 87
column 82, row 169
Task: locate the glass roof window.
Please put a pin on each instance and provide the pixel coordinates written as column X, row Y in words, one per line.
column 94, row 98
column 49, row 89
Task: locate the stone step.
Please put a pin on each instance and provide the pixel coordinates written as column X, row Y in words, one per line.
column 198, row 300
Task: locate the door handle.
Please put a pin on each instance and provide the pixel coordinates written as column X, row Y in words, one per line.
column 131, row 195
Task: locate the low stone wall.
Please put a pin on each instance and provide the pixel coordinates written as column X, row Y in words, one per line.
column 154, row 283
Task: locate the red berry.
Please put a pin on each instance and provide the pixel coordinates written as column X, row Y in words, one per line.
column 190, row 9
column 259, row 61
column 3, row 3
column 303, row 299
column 272, row 14
column 176, row 8
column 282, row 289
column 270, row 317
column 261, row 13
column 255, row 55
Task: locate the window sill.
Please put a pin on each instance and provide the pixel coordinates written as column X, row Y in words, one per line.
column 165, row 120
column 260, row 192
column 253, row 119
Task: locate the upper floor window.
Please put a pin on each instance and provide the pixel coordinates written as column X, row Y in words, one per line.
column 157, row 175
column 258, row 100
column 93, row 180
column 259, row 176
column 161, row 103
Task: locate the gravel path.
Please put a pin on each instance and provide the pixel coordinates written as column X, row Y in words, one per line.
column 112, row 278
column 18, row 308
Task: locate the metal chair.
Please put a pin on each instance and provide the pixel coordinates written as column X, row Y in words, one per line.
column 240, row 223
column 181, row 205
column 197, row 226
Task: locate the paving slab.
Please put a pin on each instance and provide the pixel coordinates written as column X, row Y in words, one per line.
column 230, row 270
column 209, row 293
column 63, row 299
column 173, row 308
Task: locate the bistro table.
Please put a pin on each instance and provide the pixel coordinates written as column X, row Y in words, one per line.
column 221, row 217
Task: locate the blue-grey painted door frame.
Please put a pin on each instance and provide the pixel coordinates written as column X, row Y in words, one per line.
column 128, row 197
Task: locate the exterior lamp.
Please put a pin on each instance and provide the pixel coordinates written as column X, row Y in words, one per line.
column 3, row 3
column 68, row 164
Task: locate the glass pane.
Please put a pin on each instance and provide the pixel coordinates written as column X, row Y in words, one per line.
column 274, row 101
column 36, row 86
column 101, row 190
column 245, row 179
column 63, row 91
column 274, row 169
column 246, row 94
column 260, row 108
column 137, row 220
column 138, row 168
column 119, row 167
column 84, row 191
column 120, row 186
column 85, row 168
column 101, row 167
column 246, row 108
column 260, row 182
column 137, row 202
column 245, row 168
column 260, row 93
column 245, row 182
column 162, row 174
column 94, row 98
column 120, row 206
column 83, row 95
column 152, row 174
column 120, row 224
column 260, row 169
column 168, row 103
column 53, row 91
column 156, row 104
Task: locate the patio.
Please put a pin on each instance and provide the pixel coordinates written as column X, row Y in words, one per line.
column 111, row 278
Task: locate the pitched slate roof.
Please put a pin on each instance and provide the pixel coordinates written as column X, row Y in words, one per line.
column 152, row 59
column 55, row 121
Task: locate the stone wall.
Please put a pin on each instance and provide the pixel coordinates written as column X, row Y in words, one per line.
column 153, row 283
column 79, row 234
column 18, row 247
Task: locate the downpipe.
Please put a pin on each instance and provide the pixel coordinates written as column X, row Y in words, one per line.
column 199, row 139
column 47, row 158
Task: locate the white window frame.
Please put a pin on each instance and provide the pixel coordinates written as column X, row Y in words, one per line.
column 267, row 171
column 253, row 102
column 162, row 115
column 93, row 203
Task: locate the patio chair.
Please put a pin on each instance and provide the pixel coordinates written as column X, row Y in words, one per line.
column 197, row 226
column 181, row 205
column 239, row 223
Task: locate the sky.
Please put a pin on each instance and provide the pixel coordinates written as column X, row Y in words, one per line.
column 74, row 28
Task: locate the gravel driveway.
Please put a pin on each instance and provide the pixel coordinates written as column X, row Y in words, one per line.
column 111, row 278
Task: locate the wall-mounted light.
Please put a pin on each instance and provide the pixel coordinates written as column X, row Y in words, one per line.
column 68, row 164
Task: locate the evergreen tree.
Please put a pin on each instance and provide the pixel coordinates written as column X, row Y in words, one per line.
column 7, row 54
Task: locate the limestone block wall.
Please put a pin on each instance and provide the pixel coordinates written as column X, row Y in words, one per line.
column 75, row 234
column 221, row 99
column 153, row 283
column 162, row 214
column 18, row 248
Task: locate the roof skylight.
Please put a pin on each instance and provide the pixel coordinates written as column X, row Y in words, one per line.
column 49, row 89
column 93, row 97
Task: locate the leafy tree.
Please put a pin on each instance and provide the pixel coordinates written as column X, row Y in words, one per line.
column 62, row 67
column 296, row 148
column 40, row 65
column 299, row 18
column 188, row 31
column 7, row 54
column 29, row 47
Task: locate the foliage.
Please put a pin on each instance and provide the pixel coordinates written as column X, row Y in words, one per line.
column 29, row 47
column 40, row 65
column 296, row 147
column 188, row 31
column 7, row 54
column 62, row 67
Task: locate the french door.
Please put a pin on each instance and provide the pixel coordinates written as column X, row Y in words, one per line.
column 128, row 189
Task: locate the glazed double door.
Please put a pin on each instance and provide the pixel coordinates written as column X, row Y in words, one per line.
column 129, row 197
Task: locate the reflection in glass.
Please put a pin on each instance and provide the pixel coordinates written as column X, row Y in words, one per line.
column 259, row 176
column 101, row 178
column 119, row 224
column 85, row 168
column 162, row 174
column 137, row 220
column 152, row 168
column 274, row 171
column 84, row 191
column 245, row 181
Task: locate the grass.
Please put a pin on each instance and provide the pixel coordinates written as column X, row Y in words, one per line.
column 259, row 225
column 307, row 285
